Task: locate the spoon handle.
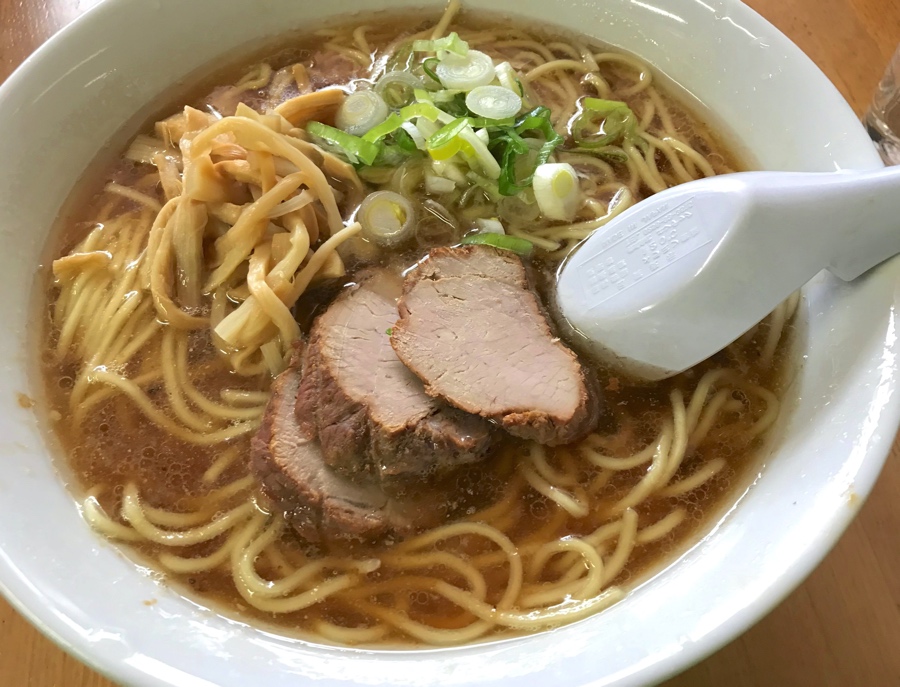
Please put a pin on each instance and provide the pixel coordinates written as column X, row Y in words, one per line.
column 847, row 222
column 874, row 235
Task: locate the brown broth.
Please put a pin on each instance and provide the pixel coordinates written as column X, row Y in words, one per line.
column 117, row 444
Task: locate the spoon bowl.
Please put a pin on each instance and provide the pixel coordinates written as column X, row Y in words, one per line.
column 682, row 274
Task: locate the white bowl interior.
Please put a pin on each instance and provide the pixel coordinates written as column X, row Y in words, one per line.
column 63, row 106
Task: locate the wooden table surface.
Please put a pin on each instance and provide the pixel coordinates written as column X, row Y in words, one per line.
column 841, row 628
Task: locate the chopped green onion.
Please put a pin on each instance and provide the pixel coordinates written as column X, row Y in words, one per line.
column 391, row 155
column 480, row 151
column 513, row 146
column 387, row 218
column 493, row 102
column 361, row 111
column 521, row 88
column 438, row 185
column 426, row 110
column 507, row 77
column 353, row 147
column 396, row 120
column 485, row 123
column 514, row 243
column 422, row 96
column 449, row 170
column 489, row 186
column 398, row 88
column 611, row 121
column 427, row 128
column 451, row 44
column 441, row 143
column 446, row 95
column 453, row 102
column 428, row 67
column 412, row 131
column 536, row 119
column 557, row 190
column 404, row 140
column 387, row 127
column 465, row 73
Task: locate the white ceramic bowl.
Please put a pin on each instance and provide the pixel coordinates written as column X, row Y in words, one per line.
column 68, row 99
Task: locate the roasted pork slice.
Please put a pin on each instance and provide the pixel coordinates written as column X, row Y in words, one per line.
column 370, row 412
column 473, row 329
column 320, row 504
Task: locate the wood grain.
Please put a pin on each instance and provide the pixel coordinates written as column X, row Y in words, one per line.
column 841, row 628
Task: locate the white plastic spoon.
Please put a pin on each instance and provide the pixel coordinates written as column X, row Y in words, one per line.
column 682, row 274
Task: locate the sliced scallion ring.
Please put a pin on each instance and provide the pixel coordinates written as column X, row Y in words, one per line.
column 387, row 218
column 507, row 77
column 557, row 190
column 465, row 73
column 493, row 102
column 428, row 67
column 360, row 112
column 398, row 88
column 603, row 123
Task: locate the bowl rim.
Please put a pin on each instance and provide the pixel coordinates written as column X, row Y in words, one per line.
column 32, row 606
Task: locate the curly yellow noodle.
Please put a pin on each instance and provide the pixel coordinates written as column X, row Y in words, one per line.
column 131, row 390
column 443, row 559
column 450, row 12
column 217, row 410
column 96, row 397
column 589, row 554
column 532, row 45
column 177, row 402
column 695, row 481
column 359, row 37
column 187, row 566
column 680, row 439
column 662, row 527
column 422, row 632
column 645, row 76
column 241, row 397
column 655, row 474
column 571, row 503
column 553, row 65
column 133, row 512
column 709, row 416
column 350, row 635
column 256, row 78
column 626, row 541
column 589, row 450
column 93, row 512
